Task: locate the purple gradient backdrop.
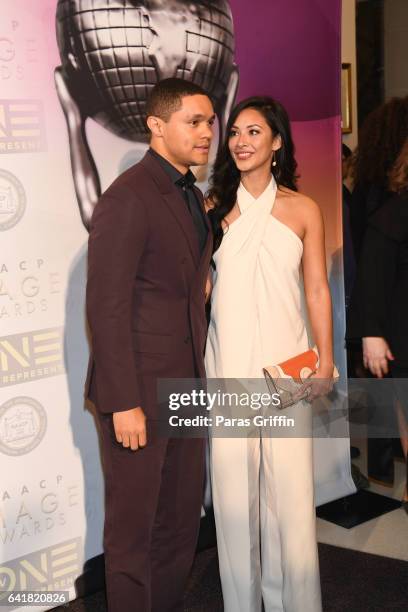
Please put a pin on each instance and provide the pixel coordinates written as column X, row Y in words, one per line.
column 290, row 49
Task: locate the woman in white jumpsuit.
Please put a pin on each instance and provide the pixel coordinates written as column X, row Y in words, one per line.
column 268, row 237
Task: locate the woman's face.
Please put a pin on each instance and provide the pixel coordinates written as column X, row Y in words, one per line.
column 251, row 141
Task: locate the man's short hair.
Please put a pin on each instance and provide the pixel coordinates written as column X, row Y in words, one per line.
column 166, row 97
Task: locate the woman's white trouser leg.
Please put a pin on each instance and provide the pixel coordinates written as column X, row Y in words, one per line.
column 290, row 577
column 235, row 484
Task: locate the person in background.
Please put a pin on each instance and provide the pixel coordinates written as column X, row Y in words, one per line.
column 349, row 263
column 377, row 314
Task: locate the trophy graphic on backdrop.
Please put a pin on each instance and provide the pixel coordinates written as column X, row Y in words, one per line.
column 113, row 52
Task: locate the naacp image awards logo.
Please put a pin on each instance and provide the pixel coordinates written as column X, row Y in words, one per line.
column 23, row 422
column 12, row 200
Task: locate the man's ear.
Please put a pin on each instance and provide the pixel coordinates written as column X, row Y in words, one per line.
column 155, row 125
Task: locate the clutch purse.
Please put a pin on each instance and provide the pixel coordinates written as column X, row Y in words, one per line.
column 286, row 378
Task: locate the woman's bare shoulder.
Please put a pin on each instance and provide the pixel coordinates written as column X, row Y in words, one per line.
column 303, row 204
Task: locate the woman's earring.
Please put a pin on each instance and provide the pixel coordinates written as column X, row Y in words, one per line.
column 273, row 159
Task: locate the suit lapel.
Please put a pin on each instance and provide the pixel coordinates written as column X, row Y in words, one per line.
column 178, row 207
column 175, row 202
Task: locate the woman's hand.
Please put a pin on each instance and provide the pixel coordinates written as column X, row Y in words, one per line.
column 318, row 384
column 376, row 354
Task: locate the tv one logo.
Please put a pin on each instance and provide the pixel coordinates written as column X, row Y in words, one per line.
column 48, row 569
column 22, row 128
column 30, row 356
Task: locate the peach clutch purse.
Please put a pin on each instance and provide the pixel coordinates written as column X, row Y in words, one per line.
column 286, row 378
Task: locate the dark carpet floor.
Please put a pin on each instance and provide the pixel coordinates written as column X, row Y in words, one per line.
column 351, row 581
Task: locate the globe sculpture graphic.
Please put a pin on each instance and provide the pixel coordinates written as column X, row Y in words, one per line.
column 114, row 51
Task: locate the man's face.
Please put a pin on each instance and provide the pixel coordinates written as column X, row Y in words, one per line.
column 187, row 135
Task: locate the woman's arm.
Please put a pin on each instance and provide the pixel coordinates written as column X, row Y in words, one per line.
column 317, row 290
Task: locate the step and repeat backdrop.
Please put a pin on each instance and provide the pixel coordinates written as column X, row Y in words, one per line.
column 74, row 77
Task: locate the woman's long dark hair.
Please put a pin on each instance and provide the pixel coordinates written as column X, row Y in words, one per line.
column 381, row 138
column 225, row 177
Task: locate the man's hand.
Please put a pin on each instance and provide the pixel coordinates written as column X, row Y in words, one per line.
column 130, row 428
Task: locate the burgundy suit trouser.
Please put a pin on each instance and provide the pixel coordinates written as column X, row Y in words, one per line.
column 153, row 500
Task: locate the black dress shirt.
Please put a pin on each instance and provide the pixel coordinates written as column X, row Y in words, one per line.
column 185, row 182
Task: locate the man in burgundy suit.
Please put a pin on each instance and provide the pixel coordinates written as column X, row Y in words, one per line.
column 149, row 253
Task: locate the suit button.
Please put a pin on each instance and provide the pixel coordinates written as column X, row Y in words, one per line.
column 187, row 339
column 184, row 260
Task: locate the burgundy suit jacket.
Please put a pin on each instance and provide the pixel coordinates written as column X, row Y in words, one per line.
column 145, row 290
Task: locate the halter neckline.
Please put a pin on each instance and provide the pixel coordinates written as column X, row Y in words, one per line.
column 245, row 199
